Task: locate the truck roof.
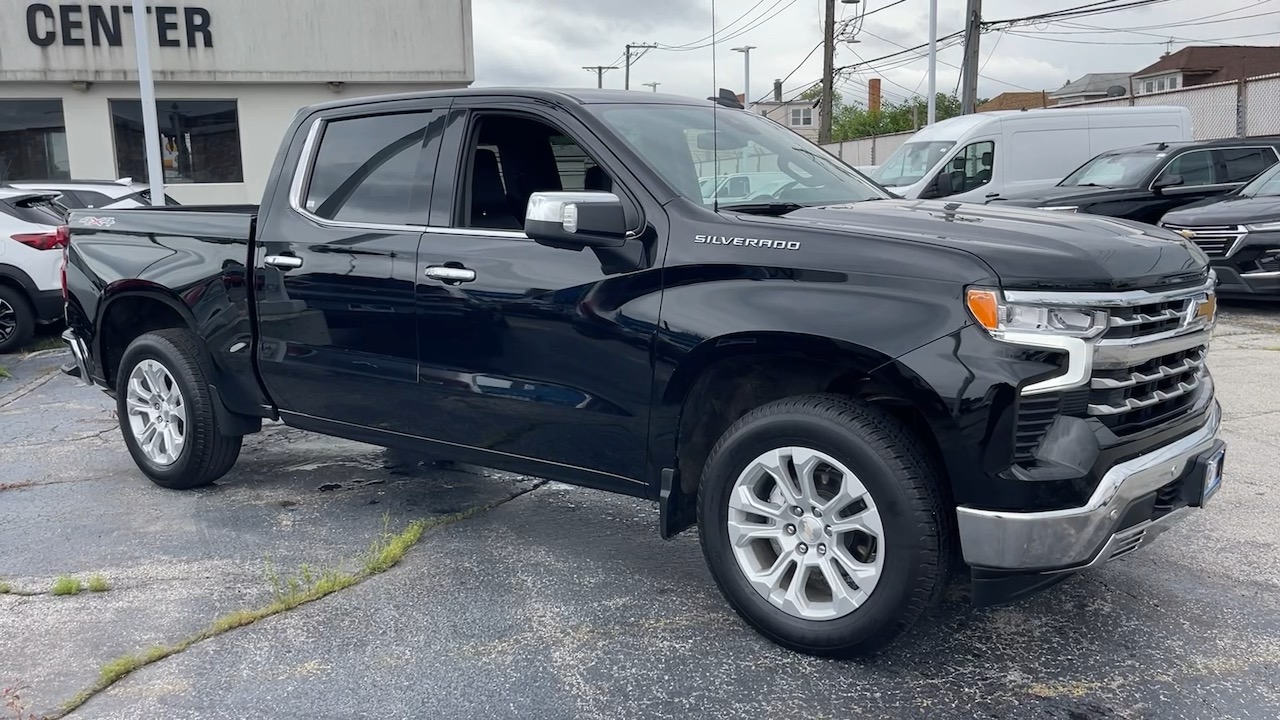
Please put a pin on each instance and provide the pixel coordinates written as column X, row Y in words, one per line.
column 582, row 96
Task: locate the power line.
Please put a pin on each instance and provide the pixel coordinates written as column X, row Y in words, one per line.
column 763, row 18
column 1190, row 22
column 723, row 28
column 1035, row 36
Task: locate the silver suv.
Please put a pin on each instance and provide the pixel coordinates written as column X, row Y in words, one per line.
column 88, row 194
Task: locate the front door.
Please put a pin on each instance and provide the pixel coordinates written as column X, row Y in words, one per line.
column 337, row 267
column 527, row 351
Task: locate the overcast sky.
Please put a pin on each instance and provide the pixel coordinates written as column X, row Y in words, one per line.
column 546, row 42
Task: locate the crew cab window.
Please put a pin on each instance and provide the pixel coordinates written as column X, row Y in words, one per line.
column 971, row 167
column 512, row 158
column 90, row 199
column 1195, row 168
column 367, row 169
column 1243, row 164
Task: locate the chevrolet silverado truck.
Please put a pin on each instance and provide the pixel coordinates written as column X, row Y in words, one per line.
column 852, row 396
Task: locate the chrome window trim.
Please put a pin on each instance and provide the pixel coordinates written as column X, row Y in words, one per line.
column 302, row 176
column 1127, row 298
column 1151, row 187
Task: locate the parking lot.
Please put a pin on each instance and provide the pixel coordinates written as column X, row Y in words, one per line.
column 559, row 602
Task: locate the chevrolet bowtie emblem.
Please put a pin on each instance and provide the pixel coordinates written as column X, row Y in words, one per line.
column 1188, row 234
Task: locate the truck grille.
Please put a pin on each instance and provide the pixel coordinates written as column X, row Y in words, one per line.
column 1147, row 369
column 1217, row 241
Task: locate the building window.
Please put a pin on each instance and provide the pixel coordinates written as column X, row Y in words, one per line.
column 33, row 141
column 802, row 117
column 199, row 140
column 1150, row 86
column 1160, row 84
column 1173, row 83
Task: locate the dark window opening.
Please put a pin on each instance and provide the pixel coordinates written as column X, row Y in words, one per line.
column 33, row 141
column 199, row 140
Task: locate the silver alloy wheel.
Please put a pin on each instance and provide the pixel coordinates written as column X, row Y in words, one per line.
column 157, row 413
column 8, row 321
column 806, row 533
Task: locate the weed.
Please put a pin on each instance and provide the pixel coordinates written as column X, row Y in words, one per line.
column 98, row 583
column 13, row 706
column 66, row 585
column 4, row 372
column 5, row 588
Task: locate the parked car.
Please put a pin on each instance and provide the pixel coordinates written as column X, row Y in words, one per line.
column 740, row 186
column 973, row 158
column 32, row 235
column 1240, row 233
column 77, row 194
column 1145, row 182
column 836, row 386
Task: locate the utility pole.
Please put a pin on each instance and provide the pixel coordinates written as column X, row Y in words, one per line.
column 147, row 94
column 746, row 71
column 972, row 31
column 828, row 72
column 599, row 70
column 653, row 85
column 626, row 82
column 932, row 115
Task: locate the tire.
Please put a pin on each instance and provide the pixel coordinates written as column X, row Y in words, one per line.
column 17, row 320
column 172, row 360
column 888, row 580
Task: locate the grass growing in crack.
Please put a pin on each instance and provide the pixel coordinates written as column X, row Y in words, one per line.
column 98, row 583
column 5, row 588
column 66, row 585
column 4, row 372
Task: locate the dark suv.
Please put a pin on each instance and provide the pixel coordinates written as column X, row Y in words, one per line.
column 1145, row 182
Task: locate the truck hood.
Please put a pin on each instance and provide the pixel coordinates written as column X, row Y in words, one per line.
column 1027, row 248
column 1233, row 210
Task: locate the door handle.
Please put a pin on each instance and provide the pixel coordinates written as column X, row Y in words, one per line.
column 450, row 274
column 288, row 262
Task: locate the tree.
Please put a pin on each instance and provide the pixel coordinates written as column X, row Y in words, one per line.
column 851, row 122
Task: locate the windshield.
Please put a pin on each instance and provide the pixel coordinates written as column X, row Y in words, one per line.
column 910, row 163
column 1114, row 170
column 1265, row 185
column 679, row 144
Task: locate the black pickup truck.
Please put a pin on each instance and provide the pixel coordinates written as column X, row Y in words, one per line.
column 851, row 395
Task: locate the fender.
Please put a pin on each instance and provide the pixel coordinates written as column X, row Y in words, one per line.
column 19, row 276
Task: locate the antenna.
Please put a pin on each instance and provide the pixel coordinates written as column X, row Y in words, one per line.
column 715, row 130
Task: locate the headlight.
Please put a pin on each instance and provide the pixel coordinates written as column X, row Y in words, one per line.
column 1059, row 208
column 1263, row 227
column 1001, row 318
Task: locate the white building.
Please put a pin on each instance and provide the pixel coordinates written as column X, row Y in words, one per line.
column 230, row 74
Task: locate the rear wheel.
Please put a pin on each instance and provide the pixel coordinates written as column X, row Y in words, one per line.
column 166, row 412
column 823, row 524
column 17, row 321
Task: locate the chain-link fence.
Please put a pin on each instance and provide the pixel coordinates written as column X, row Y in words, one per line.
column 1221, row 110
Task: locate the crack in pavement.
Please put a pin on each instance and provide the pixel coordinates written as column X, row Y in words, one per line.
column 119, row 669
column 27, row 389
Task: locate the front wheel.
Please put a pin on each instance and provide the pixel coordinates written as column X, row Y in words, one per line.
column 166, row 412
column 823, row 523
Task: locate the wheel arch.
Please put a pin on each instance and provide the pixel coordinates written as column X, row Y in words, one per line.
column 149, row 305
column 723, row 378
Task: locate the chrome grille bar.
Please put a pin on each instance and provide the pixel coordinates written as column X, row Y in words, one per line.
column 1137, row 378
column 1154, row 398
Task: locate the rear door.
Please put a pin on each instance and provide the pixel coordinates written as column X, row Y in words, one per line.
column 336, row 263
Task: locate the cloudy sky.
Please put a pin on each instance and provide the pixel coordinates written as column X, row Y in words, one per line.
column 546, row 42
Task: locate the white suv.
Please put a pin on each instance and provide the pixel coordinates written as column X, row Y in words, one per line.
column 79, row 194
column 32, row 238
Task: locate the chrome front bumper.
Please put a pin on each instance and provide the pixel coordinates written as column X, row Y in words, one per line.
column 1078, row 538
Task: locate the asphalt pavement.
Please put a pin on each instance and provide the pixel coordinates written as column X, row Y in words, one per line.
column 562, row 602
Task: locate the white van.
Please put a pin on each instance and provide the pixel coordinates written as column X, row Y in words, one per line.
column 974, row 158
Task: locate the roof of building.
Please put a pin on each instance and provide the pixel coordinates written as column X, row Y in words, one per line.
column 1016, row 101
column 1217, row 63
column 1092, row 84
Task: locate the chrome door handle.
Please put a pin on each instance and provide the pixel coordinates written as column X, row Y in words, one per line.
column 450, row 274
column 283, row 261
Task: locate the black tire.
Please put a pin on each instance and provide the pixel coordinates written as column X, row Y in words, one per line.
column 900, row 477
column 20, row 314
column 206, row 454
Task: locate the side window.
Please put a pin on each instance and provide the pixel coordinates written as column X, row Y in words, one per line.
column 971, row 168
column 514, row 157
column 367, row 169
column 1195, row 168
column 1243, row 164
column 738, row 186
column 92, row 199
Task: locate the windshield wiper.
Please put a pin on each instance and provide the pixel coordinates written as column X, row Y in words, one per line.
column 1091, row 185
column 764, row 208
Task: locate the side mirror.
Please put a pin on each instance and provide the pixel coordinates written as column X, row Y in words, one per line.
column 574, row 220
column 1167, row 181
column 940, row 186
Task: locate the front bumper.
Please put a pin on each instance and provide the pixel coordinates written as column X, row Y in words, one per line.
column 1110, row 524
